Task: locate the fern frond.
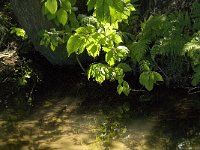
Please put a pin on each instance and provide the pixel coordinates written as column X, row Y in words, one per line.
column 195, row 14
column 153, row 27
column 192, row 49
column 196, row 76
column 139, row 49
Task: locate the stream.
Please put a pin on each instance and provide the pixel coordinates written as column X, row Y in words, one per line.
column 165, row 119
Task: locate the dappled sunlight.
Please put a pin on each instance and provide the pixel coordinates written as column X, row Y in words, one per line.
column 70, row 123
column 53, row 126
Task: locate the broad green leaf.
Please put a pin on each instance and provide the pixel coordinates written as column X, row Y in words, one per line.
column 125, row 67
column 109, row 58
column 102, row 11
column 62, row 16
column 120, row 81
column 91, row 4
column 66, row 5
column 144, row 77
column 51, row 5
column 126, row 88
column 117, row 39
column 145, row 67
column 148, row 79
column 157, row 76
column 106, row 49
column 152, row 78
column 51, row 16
column 19, row 32
column 74, row 44
column 98, row 71
column 100, row 78
column 149, row 85
column 93, row 50
column 110, row 11
column 53, row 48
column 145, row 81
column 81, row 30
column 73, row 2
column 86, row 30
column 117, row 4
column 73, row 21
column 119, row 89
column 44, row 9
column 116, row 15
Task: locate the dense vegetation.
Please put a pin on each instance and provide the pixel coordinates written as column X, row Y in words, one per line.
column 92, row 48
column 165, row 46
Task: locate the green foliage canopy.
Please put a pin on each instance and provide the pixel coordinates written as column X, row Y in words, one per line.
column 99, row 35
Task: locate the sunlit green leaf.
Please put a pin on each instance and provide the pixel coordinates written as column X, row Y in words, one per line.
column 109, row 58
column 117, row 39
column 93, row 50
column 51, row 5
column 149, row 85
column 66, row 5
column 126, row 89
column 119, row 89
column 91, row 4
column 74, row 43
column 102, row 11
column 62, row 16
column 144, row 80
column 157, row 76
column 106, row 49
column 86, row 30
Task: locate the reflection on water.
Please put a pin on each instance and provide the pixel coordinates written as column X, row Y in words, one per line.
column 167, row 120
column 178, row 122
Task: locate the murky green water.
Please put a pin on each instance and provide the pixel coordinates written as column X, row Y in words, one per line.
column 164, row 120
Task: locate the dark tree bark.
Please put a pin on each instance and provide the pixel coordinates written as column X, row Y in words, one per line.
column 29, row 15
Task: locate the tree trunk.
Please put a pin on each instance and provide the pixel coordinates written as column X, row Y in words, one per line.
column 29, row 15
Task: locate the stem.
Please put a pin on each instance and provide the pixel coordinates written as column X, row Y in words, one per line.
column 167, row 78
column 80, row 63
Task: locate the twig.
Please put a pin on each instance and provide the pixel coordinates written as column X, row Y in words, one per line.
column 167, row 78
column 138, row 90
column 80, row 63
column 192, row 90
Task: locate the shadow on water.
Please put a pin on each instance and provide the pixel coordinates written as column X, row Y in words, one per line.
column 178, row 122
column 66, row 119
column 166, row 119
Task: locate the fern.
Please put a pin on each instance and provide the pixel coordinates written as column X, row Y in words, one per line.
column 196, row 76
column 192, row 50
column 162, row 35
column 195, row 15
column 172, row 35
column 169, row 35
